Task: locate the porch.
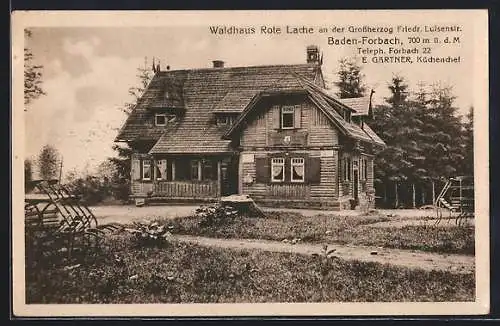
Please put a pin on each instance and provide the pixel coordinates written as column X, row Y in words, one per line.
column 183, row 177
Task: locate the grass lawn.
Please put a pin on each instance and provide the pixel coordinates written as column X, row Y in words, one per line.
column 354, row 230
column 177, row 272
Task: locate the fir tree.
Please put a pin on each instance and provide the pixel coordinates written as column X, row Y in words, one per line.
column 350, row 79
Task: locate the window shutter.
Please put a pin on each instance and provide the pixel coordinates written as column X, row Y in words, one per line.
column 313, row 170
column 262, row 170
column 297, row 116
column 276, row 117
column 135, row 168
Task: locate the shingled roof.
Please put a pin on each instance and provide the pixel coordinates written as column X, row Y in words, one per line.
column 328, row 104
column 361, row 105
column 204, row 91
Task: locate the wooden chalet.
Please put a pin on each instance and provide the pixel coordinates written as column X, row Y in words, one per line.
column 271, row 132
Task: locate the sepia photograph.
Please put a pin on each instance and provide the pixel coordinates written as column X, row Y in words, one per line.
column 250, row 163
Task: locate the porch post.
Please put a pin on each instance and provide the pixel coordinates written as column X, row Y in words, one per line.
column 173, row 169
column 199, row 169
column 219, row 190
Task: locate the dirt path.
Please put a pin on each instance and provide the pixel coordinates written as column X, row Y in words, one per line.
column 405, row 258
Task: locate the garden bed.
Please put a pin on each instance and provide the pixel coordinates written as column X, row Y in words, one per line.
column 123, row 272
column 352, row 230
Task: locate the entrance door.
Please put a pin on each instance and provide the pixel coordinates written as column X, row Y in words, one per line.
column 229, row 176
column 355, row 186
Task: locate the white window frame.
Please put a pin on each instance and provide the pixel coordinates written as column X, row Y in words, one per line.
column 297, row 161
column 277, row 161
column 289, row 110
column 144, row 170
column 160, row 115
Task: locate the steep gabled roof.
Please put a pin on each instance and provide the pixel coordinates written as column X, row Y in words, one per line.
column 204, row 92
column 327, row 103
column 323, row 101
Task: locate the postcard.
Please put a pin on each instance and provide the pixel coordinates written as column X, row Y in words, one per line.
column 250, row 163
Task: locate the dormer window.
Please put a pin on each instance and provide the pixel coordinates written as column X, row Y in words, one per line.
column 225, row 119
column 160, row 119
column 222, row 120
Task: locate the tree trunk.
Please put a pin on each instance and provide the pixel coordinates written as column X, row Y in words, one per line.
column 396, row 199
column 433, row 193
column 413, row 195
column 423, row 195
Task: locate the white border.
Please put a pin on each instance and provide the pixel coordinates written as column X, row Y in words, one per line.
column 20, row 20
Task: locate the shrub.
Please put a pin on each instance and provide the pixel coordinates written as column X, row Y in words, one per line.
column 149, row 234
column 215, row 214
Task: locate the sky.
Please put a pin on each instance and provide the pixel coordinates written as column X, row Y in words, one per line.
column 88, row 70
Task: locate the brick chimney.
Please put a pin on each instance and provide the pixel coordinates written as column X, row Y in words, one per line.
column 218, row 63
column 313, row 54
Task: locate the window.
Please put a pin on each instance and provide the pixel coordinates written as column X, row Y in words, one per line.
column 194, row 170
column 160, row 169
column 278, row 170
column 160, row 119
column 287, row 117
column 297, row 170
column 223, row 120
column 146, row 170
column 346, row 168
column 208, row 170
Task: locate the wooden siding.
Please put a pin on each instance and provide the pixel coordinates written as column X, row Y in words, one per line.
column 315, row 129
column 186, row 189
column 321, row 132
column 140, row 188
column 254, row 135
column 327, row 189
column 324, row 191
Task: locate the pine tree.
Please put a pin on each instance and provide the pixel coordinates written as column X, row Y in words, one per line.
column 123, row 151
column 441, row 136
column 32, row 75
column 401, row 162
column 350, row 79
